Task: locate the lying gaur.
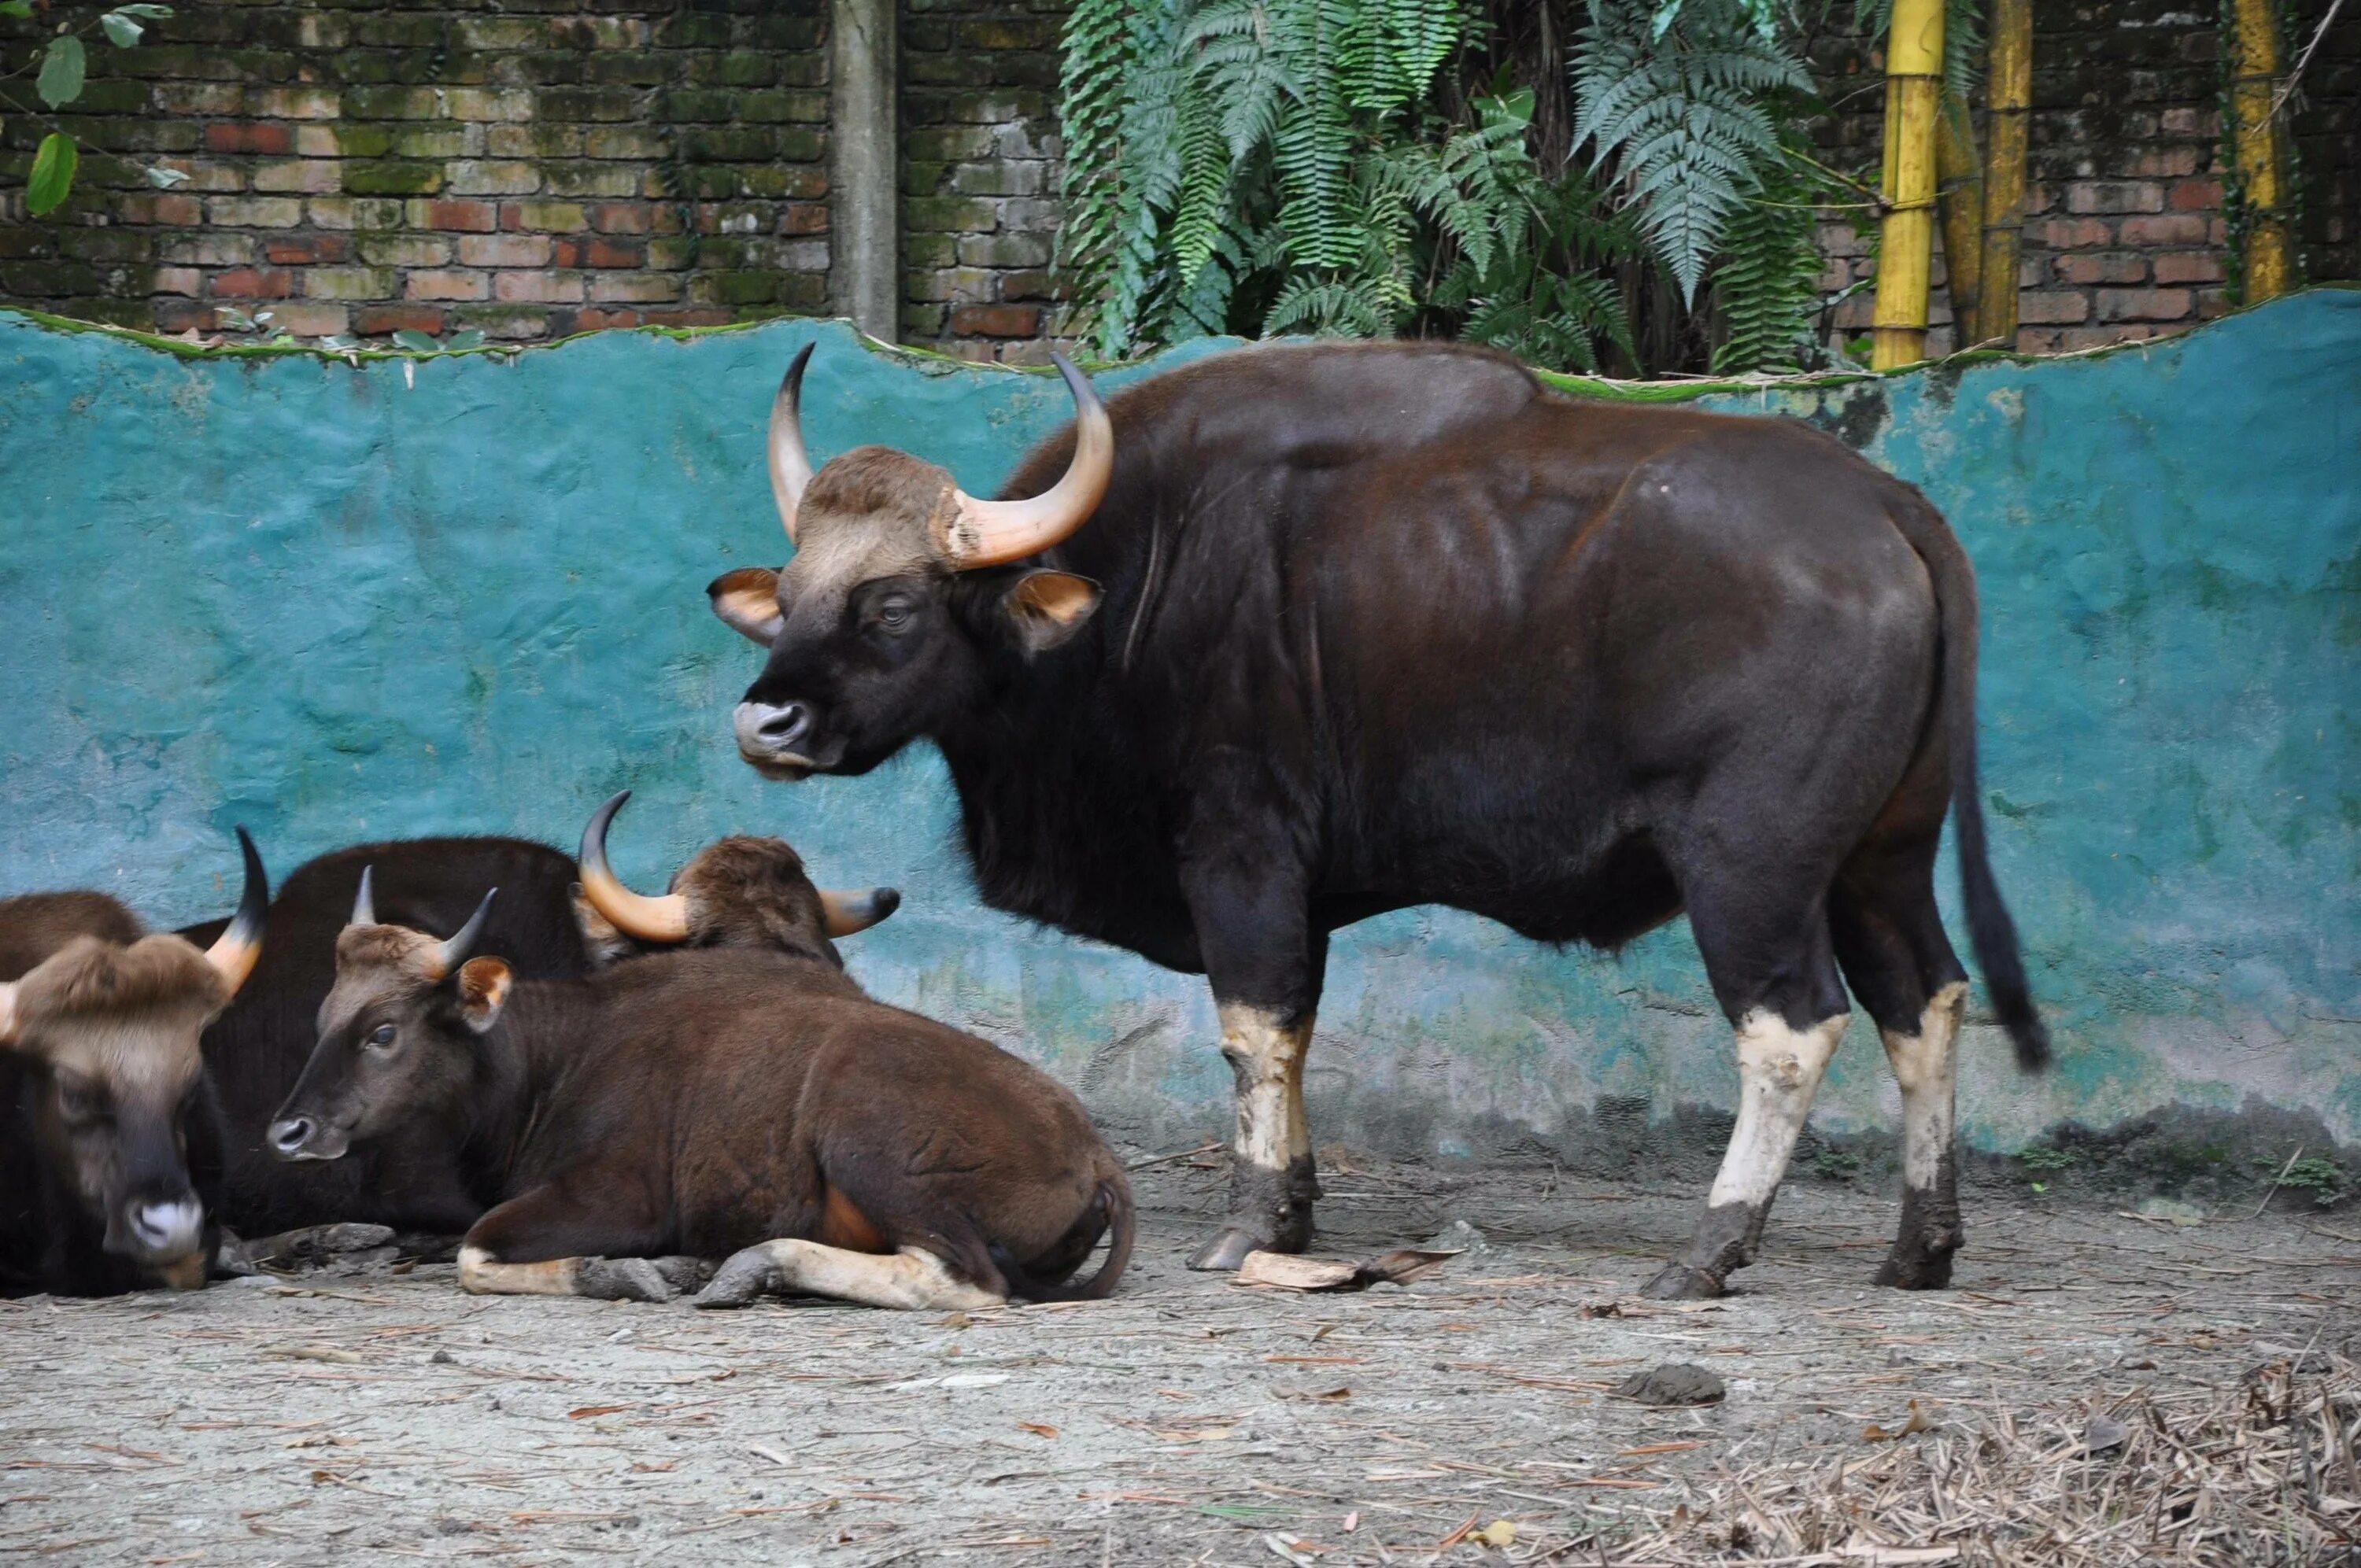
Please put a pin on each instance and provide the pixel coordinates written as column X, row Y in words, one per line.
column 110, row 1139
column 740, row 1097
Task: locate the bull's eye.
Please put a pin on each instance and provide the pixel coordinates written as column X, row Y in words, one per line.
column 894, row 612
column 81, row 1102
column 383, row 1037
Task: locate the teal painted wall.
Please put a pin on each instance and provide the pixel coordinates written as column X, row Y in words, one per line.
column 337, row 603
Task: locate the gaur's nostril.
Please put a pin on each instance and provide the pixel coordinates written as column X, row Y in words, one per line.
column 166, row 1224
column 289, row 1135
column 784, row 725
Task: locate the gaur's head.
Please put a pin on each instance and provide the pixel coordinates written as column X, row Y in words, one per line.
column 398, row 1033
column 738, row 892
column 901, row 593
column 109, row 1026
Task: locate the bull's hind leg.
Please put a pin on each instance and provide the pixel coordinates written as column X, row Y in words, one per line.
column 912, row 1280
column 547, row 1243
column 1769, row 959
column 1889, row 936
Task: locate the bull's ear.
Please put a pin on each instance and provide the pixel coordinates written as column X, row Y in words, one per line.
column 747, row 600
column 483, row 991
column 1046, row 608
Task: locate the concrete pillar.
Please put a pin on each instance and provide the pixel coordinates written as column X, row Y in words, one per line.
column 864, row 176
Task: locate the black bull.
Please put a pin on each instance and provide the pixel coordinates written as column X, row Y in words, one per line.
column 1357, row 627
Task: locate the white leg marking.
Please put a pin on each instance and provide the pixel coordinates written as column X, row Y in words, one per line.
column 1778, row 1072
column 1269, row 1059
column 912, row 1279
column 1924, row 1065
column 481, row 1274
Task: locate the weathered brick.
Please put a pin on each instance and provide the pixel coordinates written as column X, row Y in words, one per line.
column 2103, row 266
column 306, row 249
column 2196, row 195
column 544, row 217
column 2144, row 304
column 533, row 142
column 251, row 283
column 996, row 320
column 591, row 179
column 632, row 142
column 473, row 217
column 303, row 103
column 504, row 250
column 488, row 104
column 250, row 137
column 620, row 217
column 501, row 32
column 350, row 213
column 634, row 288
column 437, row 141
column 2187, row 266
column 194, row 98
column 177, row 280
column 594, row 103
column 255, row 212
column 605, row 252
column 2167, row 229
column 347, row 282
column 389, row 103
column 473, row 178
column 404, row 250
column 538, row 288
column 672, row 254
column 215, row 249
column 317, row 175
column 392, row 177
column 444, row 284
column 2114, row 196
column 803, row 217
column 2052, row 307
column 375, row 321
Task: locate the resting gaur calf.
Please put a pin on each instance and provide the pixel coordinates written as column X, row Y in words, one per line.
column 738, row 1097
column 418, row 1179
column 1297, row 634
column 109, row 1136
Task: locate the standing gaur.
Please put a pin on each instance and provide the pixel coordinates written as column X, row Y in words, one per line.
column 1298, row 634
column 739, row 1098
column 110, row 1138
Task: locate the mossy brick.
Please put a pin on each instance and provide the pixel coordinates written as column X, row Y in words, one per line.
column 535, row 140
column 209, row 25
column 787, row 34
column 319, row 176
column 735, row 144
column 446, row 283
column 634, row 288
column 996, row 107
column 507, row 323
column 632, row 69
column 479, row 177
column 538, row 287
column 806, row 181
column 206, row 249
column 489, row 102
column 804, row 218
column 921, row 179
column 949, row 214
column 299, row 249
column 544, row 217
column 1030, row 213
column 112, row 97
column 804, row 71
column 255, row 212
column 1009, row 33
column 922, row 322
column 205, row 98
column 1004, row 250
column 505, row 249
column 931, row 251
column 598, row 104
column 375, row 321
column 693, row 30
column 355, row 139
column 108, row 244
column 399, row 29
column 945, row 143
column 674, row 253
column 136, row 313
column 738, row 71
column 591, row 179
column 391, row 103
column 797, row 104
column 392, row 177
column 697, row 104
column 179, row 61
column 925, row 36
column 950, row 283
column 492, row 33
column 593, row 32
column 212, row 179
column 26, row 242
column 323, row 30
column 434, row 142
column 295, row 103
column 351, row 213
column 635, row 142
column 800, row 254
column 405, row 249
column 545, row 69
column 804, row 290
column 947, row 71
column 747, row 288
column 703, row 183
column 348, row 282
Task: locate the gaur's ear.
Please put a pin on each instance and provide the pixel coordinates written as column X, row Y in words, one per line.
column 747, row 600
column 600, row 936
column 1046, row 608
column 483, row 991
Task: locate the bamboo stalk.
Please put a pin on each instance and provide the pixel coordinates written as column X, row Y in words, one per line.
column 2259, row 148
column 1960, row 201
column 2008, row 93
column 1914, row 85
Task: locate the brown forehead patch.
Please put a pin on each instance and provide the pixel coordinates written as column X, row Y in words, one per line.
column 388, row 947
column 96, row 979
column 750, row 891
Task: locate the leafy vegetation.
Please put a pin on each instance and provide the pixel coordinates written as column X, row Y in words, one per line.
column 1370, row 166
column 61, row 66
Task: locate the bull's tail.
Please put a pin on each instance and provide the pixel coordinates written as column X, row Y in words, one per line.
column 1990, row 930
column 1109, row 1214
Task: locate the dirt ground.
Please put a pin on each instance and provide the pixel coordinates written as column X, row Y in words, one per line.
column 358, row 1412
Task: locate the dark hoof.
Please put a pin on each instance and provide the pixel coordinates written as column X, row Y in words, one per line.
column 1226, row 1252
column 738, row 1282
column 684, row 1274
column 622, row 1280
column 1920, row 1273
column 1679, row 1282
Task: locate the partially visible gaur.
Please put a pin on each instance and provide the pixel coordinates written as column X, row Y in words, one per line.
column 1352, row 627
column 738, row 1097
column 110, row 1142
column 417, row 1179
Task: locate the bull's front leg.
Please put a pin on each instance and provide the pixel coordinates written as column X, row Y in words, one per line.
column 1265, row 969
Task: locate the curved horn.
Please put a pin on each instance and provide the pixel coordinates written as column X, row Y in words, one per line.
column 857, row 910
column 239, row 946
column 662, row 919
column 365, row 906
column 990, row 533
column 453, row 953
column 791, row 468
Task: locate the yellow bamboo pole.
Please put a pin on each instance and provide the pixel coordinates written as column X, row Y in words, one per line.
column 2008, row 93
column 1906, row 251
column 2258, row 148
column 1960, row 199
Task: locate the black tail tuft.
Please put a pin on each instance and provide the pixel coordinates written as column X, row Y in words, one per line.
column 1990, row 932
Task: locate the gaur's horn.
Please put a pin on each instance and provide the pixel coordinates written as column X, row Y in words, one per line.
column 364, row 907
column 453, row 953
column 989, row 533
column 791, row 468
column 857, row 909
column 237, row 949
column 662, row 919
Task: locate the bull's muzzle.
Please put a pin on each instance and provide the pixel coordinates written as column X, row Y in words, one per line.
column 307, row 1137
column 773, row 736
column 157, row 1229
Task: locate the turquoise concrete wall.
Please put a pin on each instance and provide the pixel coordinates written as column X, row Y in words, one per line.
column 338, row 602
